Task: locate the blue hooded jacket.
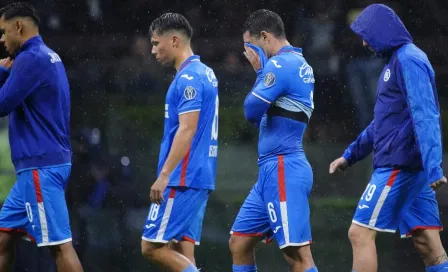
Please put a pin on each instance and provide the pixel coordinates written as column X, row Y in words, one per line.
column 36, row 96
column 406, row 130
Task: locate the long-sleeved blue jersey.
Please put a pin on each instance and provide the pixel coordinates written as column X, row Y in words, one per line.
column 281, row 103
column 36, row 96
column 406, row 130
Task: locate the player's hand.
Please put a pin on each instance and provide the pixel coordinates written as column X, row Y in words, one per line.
column 252, row 57
column 158, row 188
column 436, row 185
column 339, row 164
column 7, row 63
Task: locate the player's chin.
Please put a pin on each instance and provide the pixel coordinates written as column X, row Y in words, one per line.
column 163, row 62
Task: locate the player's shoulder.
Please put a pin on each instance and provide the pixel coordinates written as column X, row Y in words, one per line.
column 40, row 55
column 286, row 61
column 410, row 54
column 198, row 72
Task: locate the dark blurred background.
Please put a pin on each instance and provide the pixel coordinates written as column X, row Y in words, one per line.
column 117, row 117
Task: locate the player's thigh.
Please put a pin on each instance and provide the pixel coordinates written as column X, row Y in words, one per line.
column 13, row 215
column 422, row 215
column 389, row 193
column 286, row 189
column 252, row 219
column 173, row 217
column 45, row 195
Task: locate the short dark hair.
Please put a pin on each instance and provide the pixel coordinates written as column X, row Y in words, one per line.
column 265, row 20
column 20, row 9
column 171, row 21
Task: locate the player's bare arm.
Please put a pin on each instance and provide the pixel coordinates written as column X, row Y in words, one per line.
column 188, row 123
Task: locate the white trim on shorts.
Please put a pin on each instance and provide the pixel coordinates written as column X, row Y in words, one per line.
column 155, row 240
column 196, row 243
column 373, row 228
column 295, row 244
column 55, row 243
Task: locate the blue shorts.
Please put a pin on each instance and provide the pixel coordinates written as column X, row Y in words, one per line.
column 277, row 205
column 178, row 218
column 397, row 199
column 36, row 206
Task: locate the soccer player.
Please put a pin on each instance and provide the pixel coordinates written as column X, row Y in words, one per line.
column 35, row 94
column 187, row 161
column 280, row 104
column 405, row 137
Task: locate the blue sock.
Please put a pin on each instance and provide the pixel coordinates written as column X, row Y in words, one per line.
column 190, row 268
column 438, row 268
column 312, row 269
column 244, row 268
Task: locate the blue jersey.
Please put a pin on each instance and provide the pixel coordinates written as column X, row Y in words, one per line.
column 285, row 89
column 194, row 88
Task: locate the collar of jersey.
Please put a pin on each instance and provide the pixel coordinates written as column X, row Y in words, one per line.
column 188, row 61
column 289, row 48
column 34, row 40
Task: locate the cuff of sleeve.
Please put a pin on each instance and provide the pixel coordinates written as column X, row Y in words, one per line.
column 436, row 174
column 184, row 111
column 347, row 157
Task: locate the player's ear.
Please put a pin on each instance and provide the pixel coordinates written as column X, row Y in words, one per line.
column 175, row 41
column 19, row 26
column 264, row 36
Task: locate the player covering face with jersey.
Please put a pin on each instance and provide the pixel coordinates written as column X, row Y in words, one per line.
column 280, row 104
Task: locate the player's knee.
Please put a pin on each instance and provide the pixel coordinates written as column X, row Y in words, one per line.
column 6, row 241
column 149, row 249
column 427, row 242
column 294, row 254
column 359, row 235
column 239, row 244
column 61, row 249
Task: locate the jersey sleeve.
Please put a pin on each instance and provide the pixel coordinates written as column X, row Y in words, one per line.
column 418, row 86
column 274, row 81
column 190, row 88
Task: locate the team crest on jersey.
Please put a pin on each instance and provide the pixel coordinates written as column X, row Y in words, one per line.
column 386, row 75
column 269, row 79
column 190, row 93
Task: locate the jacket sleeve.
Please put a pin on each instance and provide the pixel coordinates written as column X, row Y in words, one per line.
column 361, row 147
column 417, row 83
column 4, row 73
column 23, row 79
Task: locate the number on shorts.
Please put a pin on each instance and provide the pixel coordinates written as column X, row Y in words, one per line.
column 153, row 212
column 272, row 213
column 29, row 211
column 368, row 193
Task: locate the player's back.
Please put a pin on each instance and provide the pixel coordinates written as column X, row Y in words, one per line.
column 283, row 126
column 39, row 126
column 194, row 88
